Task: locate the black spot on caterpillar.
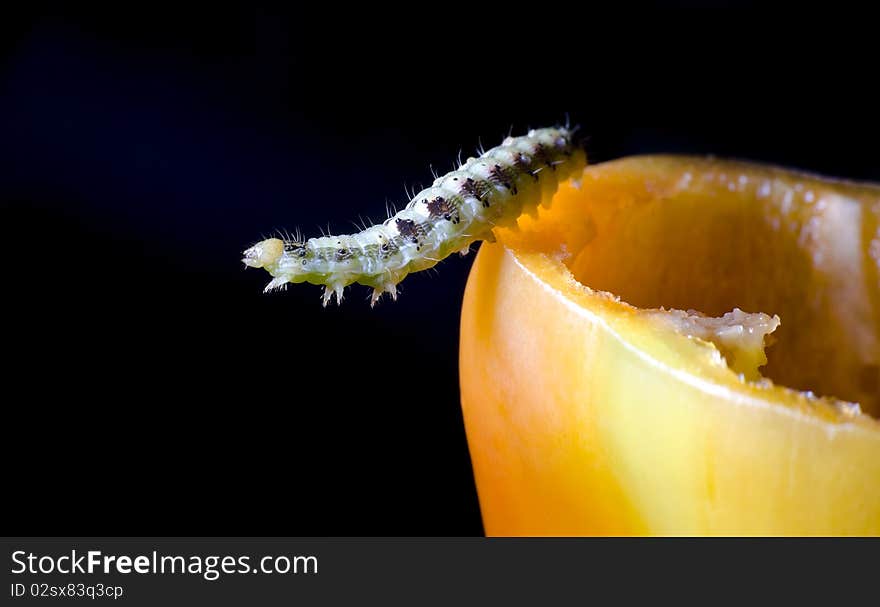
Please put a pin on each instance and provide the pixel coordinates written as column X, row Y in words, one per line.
column 440, row 207
column 458, row 209
column 410, row 230
column 478, row 188
column 503, row 176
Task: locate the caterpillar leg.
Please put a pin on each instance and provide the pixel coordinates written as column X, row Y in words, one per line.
column 390, row 288
column 329, row 291
column 276, row 284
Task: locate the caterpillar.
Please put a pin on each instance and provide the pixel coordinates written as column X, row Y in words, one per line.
column 458, row 209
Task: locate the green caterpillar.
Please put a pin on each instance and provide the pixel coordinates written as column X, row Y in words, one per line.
column 460, row 208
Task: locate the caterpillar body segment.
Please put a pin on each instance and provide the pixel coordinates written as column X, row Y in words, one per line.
column 458, row 209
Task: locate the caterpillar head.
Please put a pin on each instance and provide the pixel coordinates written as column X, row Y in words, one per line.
column 264, row 254
column 287, row 261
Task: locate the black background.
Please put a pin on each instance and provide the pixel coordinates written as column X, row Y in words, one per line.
column 151, row 388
